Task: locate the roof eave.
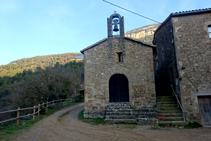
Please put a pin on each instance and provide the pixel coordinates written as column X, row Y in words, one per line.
column 180, row 14
column 93, row 45
column 132, row 39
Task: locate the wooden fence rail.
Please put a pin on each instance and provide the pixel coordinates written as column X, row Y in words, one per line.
column 29, row 108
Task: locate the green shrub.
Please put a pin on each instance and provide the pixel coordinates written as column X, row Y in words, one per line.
column 79, row 98
column 191, row 125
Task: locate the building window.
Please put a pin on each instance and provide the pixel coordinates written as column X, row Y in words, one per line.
column 209, row 30
column 119, row 57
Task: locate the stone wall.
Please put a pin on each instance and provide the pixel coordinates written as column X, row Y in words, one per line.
column 101, row 63
column 164, row 60
column 193, row 51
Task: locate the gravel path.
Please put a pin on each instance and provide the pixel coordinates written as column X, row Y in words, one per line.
column 70, row 129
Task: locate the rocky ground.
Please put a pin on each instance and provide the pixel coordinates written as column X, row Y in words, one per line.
column 69, row 128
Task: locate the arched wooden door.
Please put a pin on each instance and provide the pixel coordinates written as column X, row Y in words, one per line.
column 118, row 88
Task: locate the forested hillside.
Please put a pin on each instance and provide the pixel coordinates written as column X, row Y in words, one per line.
column 30, row 81
column 19, row 66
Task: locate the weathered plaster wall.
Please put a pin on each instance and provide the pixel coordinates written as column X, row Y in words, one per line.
column 193, row 51
column 164, row 60
column 101, row 63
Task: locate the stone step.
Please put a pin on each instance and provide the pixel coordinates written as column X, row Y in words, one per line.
column 170, row 114
column 120, row 120
column 169, row 99
column 168, row 108
column 143, row 110
column 173, row 122
column 171, row 119
column 120, row 117
column 166, row 105
column 118, row 110
column 166, row 102
column 118, row 113
column 148, row 113
column 169, row 111
column 144, row 121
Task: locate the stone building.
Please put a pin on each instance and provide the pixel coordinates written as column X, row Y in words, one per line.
column 182, row 59
column 118, row 74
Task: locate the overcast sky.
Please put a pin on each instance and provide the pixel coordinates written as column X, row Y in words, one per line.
column 31, row 28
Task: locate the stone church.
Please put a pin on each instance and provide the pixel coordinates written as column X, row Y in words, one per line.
column 119, row 77
column 120, row 73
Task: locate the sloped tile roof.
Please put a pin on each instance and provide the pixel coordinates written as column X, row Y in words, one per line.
column 182, row 13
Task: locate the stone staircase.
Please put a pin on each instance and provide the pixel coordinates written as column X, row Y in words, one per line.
column 119, row 113
column 123, row 113
column 168, row 111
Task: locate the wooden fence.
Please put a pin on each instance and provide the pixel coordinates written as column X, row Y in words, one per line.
column 39, row 106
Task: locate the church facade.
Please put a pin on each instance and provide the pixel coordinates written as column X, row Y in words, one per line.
column 118, row 69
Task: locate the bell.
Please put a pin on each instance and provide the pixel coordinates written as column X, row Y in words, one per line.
column 115, row 28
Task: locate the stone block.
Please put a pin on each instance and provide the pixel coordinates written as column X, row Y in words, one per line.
column 88, row 90
column 185, row 93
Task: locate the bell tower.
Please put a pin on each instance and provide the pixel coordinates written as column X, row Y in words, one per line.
column 115, row 23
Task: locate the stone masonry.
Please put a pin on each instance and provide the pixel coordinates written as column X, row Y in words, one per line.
column 101, row 62
column 193, row 51
column 183, row 44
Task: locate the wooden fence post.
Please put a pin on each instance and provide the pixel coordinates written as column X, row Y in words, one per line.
column 53, row 102
column 61, row 101
column 34, row 113
column 38, row 109
column 18, row 114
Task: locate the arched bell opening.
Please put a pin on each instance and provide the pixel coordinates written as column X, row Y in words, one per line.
column 118, row 88
column 115, row 25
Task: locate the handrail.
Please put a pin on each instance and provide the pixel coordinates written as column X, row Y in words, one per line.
column 29, row 108
column 177, row 99
column 183, row 111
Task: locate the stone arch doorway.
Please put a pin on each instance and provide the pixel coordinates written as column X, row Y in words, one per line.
column 118, row 88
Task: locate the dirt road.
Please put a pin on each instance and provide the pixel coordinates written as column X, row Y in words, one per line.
column 70, row 129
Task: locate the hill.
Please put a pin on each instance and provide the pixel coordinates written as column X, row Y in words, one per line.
column 18, row 66
column 144, row 34
column 29, row 81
